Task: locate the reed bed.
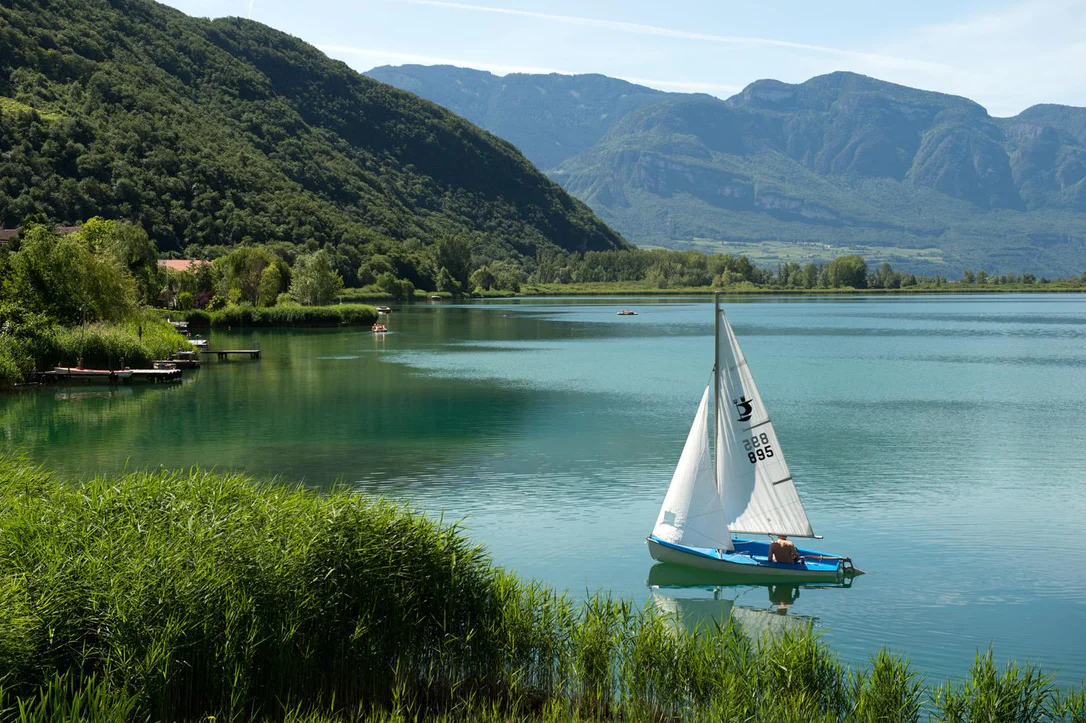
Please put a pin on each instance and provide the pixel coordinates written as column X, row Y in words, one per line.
column 281, row 316
column 101, row 345
column 181, row 595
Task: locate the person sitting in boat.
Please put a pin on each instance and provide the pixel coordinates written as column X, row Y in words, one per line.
column 782, row 550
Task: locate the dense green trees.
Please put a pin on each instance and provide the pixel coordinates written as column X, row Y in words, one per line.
column 848, row 271
column 228, row 132
column 241, row 276
column 81, row 276
column 315, row 282
column 77, row 297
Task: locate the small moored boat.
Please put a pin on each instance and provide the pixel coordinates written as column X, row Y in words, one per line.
column 384, row 309
column 627, row 312
column 748, row 491
column 200, row 342
column 379, row 328
column 91, row 375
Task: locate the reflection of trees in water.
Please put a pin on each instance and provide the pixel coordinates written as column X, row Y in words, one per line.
column 56, row 414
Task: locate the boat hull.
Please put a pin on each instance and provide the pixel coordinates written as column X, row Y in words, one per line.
column 745, row 561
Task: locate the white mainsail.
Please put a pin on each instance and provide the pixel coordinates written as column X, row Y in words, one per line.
column 692, row 514
column 755, row 485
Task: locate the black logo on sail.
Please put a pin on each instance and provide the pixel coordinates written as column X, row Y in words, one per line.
column 745, row 408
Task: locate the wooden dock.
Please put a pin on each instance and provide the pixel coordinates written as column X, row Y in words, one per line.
column 153, row 376
column 156, row 376
column 224, row 354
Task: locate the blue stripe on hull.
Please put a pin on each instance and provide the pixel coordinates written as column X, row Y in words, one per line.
column 749, row 558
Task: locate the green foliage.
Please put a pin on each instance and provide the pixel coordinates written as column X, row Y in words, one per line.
column 207, row 132
column 132, row 248
column 1014, row 694
column 287, row 313
column 67, row 279
column 847, row 271
column 178, row 595
column 453, row 257
column 315, row 282
column 240, row 274
column 890, row 691
column 31, row 343
column 396, row 288
column 271, row 282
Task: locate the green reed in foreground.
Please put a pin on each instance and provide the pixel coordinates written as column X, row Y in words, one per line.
column 174, row 596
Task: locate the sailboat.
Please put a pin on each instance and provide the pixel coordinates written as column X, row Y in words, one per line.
column 748, row 491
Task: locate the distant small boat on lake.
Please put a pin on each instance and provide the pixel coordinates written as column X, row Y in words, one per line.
column 749, row 490
column 627, row 312
column 384, row 309
column 200, row 342
column 379, row 328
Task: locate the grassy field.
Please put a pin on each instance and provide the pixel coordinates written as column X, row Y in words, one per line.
column 771, row 253
column 181, row 595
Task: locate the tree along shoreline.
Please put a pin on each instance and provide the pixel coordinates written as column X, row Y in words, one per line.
column 159, row 595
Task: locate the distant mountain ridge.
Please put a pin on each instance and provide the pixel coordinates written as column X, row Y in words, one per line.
column 548, row 117
column 841, row 159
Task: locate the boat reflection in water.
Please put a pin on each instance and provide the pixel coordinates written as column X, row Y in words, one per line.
column 698, row 599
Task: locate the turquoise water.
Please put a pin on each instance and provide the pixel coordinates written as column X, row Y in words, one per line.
column 939, row 441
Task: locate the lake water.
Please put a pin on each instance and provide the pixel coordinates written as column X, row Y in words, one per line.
column 939, row 441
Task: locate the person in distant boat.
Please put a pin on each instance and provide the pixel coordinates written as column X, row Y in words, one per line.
column 782, row 550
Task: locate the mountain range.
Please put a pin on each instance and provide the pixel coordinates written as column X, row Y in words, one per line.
column 839, row 163
column 227, row 131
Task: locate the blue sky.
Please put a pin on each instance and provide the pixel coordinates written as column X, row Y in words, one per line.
column 1004, row 55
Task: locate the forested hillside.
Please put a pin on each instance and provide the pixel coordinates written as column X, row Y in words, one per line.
column 842, row 163
column 224, row 132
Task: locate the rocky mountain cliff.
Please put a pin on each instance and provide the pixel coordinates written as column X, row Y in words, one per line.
column 841, row 160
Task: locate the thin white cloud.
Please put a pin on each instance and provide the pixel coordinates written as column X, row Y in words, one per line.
column 1007, row 59
column 389, row 57
column 251, row 9
column 875, row 59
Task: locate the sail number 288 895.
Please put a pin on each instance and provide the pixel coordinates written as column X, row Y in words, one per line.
column 758, row 448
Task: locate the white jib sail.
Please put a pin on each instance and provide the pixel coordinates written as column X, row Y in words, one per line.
column 692, row 514
column 756, row 486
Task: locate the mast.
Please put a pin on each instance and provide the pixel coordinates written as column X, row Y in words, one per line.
column 716, row 362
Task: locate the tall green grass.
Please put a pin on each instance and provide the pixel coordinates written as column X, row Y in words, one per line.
column 281, row 316
column 179, row 595
column 100, row 345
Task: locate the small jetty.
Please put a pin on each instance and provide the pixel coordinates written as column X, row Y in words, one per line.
column 224, row 354
column 156, row 376
column 78, row 375
column 86, row 376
